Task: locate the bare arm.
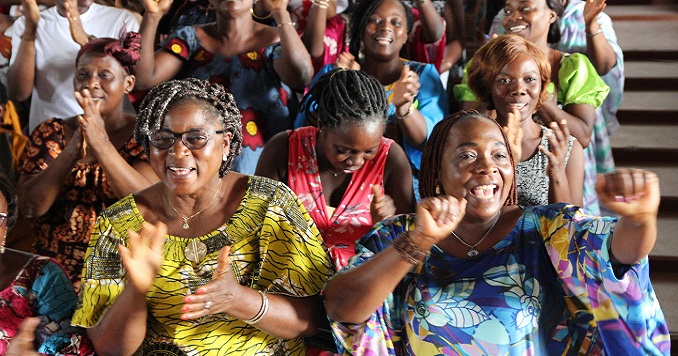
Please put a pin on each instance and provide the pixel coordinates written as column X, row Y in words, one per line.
column 598, row 48
column 634, row 195
column 398, row 180
column 454, row 33
column 314, row 32
column 431, row 22
column 274, row 157
column 21, row 73
column 294, row 66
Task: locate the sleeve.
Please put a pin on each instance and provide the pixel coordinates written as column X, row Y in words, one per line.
column 295, row 260
column 379, row 335
column 624, row 308
column 183, row 43
column 102, row 275
column 44, row 146
column 579, row 83
column 462, row 92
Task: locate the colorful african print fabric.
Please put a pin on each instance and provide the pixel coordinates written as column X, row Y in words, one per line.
column 275, row 247
column 260, row 95
column 548, row 288
column 352, row 218
column 42, row 290
column 64, row 230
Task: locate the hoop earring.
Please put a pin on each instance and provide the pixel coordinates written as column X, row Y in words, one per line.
column 259, row 17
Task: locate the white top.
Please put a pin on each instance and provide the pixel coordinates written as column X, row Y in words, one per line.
column 55, row 53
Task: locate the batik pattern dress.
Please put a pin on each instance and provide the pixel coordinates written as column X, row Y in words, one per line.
column 42, row 290
column 260, row 95
column 352, row 218
column 548, row 288
column 275, row 247
column 64, row 230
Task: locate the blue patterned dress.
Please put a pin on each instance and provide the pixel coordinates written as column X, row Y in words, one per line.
column 548, row 288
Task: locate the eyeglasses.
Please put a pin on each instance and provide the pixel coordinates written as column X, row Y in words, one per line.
column 193, row 139
column 3, row 219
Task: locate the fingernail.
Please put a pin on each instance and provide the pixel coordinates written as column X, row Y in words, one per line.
column 200, row 291
column 185, row 309
column 188, row 300
column 618, row 198
column 184, row 317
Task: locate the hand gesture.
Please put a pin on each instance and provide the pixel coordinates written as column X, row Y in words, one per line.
column 157, row 6
column 347, row 61
column 514, row 134
column 143, row 258
column 558, row 140
column 437, row 217
column 629, row 192
column 213, row 297
column 275, row 5
column 91, row 123
column 382, row 205
column 405, row 89
column 73, row 15
column 31, row 12
column 76, row 145
column 22, row 344
column 592, row 9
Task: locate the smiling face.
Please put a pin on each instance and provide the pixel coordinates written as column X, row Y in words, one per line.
column 476, row 165
column 386, row 30
column 184, row 170
column 529, row 19
column 517, row 85
column 348, row 148
column 105, row 78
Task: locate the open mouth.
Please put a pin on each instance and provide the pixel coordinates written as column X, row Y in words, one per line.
column 485, row 192
column 180, row 171
column 518, row 106
column 384, row 40
column 518, row 28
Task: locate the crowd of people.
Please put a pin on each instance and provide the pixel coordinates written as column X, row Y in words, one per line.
column 321, row 177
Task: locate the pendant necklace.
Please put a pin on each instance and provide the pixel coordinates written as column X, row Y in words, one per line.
column 186, row 218
column 473, row 252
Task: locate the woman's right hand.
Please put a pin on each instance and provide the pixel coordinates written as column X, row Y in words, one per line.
column 436, row 218
column 76, row 145
column 31, row 12
column 347, row 61
column 405, row 89
column 143, row 258
column 514, row 134
column 559, row 141
column 157, row 6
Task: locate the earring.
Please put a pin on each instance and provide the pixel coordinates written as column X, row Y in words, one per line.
column 259, row 17
column 438, row 190
column 2, row 246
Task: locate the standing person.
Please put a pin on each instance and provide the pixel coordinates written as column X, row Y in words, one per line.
column 472, row 273
column 339, row 166
column 512, row 75
column 44, row 48
column 34, row 286
column 207, row 261
column 74, row 167
column 259, row 64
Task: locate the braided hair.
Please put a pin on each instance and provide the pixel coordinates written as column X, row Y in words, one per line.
column 431, row 160
column 213, row 98
column 125, row 50
column 360, row 19
column 342, row 95
column 9, row 192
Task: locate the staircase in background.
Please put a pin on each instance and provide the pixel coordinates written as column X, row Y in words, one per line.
column 647, row 31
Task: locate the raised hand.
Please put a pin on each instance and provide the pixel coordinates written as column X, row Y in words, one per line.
column 437, row 217
column 592, row 9
column 405, row 89
column 157, row 6
column 275, row 5
column 558, row 140
column 31, row 12
column 91, row 122
column 630, row 193
column 347, row 61
column 75, row 25
column 22, row 344
column 514, row 134
column 143, row 258
column 216, row 296
column 382, row 205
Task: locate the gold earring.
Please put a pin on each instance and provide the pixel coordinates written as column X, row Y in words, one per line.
column 437, row 190
column 259, row 17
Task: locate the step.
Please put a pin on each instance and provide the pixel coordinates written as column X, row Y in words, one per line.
column 649, row 144
column 650, row 75
column 666, row 247
column 650, row 100
column 666, row 289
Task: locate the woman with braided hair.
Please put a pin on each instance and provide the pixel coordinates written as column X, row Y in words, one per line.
column 338, row 166
column 207, row 261
column 75, row 167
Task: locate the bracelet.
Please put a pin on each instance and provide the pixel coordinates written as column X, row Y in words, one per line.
column 286, row 23
column 27, row 39
column 419, row 2
column 323, row 4
column 408, row 250
column 407, row 114
column 600, row 30
column 262, row 311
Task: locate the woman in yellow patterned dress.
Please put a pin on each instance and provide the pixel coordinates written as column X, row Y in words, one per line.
column 206, row 262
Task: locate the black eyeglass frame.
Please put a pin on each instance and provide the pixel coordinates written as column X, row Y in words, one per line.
column 181, row 135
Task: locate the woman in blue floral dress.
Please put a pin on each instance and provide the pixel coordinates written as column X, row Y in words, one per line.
column 471, row 273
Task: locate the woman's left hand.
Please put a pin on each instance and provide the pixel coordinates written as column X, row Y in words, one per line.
column 558, row 140
column 405, row 89
column 73, row 15
column 215, row 296
column 275, row 5
column 22, row 342
column 631, row 193
column 91, row 122
column 592, row 9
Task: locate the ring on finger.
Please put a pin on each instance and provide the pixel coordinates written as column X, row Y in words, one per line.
column 208, row 304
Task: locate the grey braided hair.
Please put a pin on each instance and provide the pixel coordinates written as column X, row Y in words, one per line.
column 164, row 96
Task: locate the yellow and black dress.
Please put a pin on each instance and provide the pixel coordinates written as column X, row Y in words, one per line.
column 275, row 246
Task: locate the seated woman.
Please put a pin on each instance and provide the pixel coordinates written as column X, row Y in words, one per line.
column 472, row 273
column 206, row 254
column 34, row 286
column 511, row 74
column 416, row 96
column 338, row 167
column 75, row 167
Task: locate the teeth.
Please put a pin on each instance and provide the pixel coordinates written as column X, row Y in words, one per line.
column 180, row 171
column 484, row 191
column 384, row 39
column 518, row 105
column 517, row 28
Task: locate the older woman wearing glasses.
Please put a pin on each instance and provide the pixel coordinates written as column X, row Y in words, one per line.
column 207, row 261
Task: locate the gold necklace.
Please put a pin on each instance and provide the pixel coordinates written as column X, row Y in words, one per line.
column 473, row 252
column 186, row 218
